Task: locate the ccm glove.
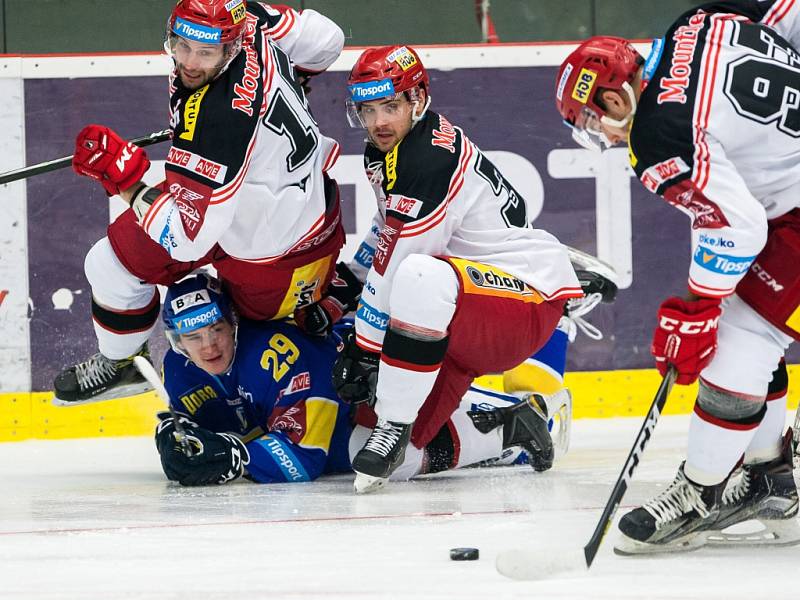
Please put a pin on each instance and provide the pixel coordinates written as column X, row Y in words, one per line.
column 102, row 155
column 216, row 457
column 686, row 336
column 355, row 372
column 342, row 296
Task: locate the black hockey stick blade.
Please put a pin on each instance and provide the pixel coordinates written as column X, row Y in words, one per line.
column 60, row 163
column 634, row 457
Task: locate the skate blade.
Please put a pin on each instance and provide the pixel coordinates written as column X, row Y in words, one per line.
column 774, row 532
column 367, row 484
column 689, row 543
column 133, row 389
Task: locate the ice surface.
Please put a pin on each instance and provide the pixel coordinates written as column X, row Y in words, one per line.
column 95, row 518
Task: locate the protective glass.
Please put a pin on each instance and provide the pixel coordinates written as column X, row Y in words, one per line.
column 588, row 132
column 363, row 115
column 194, row 341
column 197, row 55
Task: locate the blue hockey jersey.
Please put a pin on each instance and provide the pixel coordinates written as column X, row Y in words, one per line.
column 277, row 396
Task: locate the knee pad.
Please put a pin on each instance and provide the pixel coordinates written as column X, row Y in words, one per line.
column 424, row 293
column 730, row 406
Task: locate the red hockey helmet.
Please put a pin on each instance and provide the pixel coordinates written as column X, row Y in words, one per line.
column 601, row 62
column 399, row 65
column 385, row 72
column 209, row 21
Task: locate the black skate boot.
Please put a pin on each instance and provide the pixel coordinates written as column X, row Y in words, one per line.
column 677, row 520
column 525, row 425
column 766, row 493
column 100, row 378
column 384, row 451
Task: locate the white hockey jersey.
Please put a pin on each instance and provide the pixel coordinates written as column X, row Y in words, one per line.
column 717, row 130
column 439, row 195
column 247, row 160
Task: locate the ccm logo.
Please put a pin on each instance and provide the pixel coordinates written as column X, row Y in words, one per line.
column 688, row 327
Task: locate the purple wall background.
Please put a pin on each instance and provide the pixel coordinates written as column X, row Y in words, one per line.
column 500, row 109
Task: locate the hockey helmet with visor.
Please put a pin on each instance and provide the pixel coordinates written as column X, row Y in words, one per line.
column 599, row 63
column 191, row 309
column 386, row 72
column 206, row 33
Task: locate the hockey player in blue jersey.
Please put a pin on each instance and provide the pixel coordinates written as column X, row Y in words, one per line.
column 256, row 390
column 256, row 399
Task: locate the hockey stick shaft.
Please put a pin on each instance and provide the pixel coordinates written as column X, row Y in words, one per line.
column 634, row 457
column 149, row 372
column 60, row 163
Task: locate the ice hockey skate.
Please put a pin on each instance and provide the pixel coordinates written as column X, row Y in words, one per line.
column 765, row 493
column 524, row 424
column 677, row 520
column 100, row 378
column 384, row 451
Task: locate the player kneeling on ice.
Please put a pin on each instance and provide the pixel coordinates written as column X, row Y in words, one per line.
column 457, row 283
column 720, row 144
column 255, row 399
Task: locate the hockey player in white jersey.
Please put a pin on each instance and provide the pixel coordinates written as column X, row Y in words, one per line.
column 459, row 284
column 712, row 122
column 246, row 184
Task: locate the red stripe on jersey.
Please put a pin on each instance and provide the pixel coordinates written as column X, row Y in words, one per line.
column 284, row 26
column 367, row 344
column 721, row 423
column 333, row 156
column 456, row 183
column 704, row 290
column 706, row 84
column 227, row 191
column 561, row 293
column 777, row 12
column 408, row 366
column 151, row 213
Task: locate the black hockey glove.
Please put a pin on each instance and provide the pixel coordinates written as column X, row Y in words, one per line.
column 216, row 457
column 342, row 296
column 355, row 372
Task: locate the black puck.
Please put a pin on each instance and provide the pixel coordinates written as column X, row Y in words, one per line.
column 464, row 554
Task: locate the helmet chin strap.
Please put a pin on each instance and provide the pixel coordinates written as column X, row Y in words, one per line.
column 622, row 123
column 416, row 119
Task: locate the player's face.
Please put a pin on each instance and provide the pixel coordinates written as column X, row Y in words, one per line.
column 196, row 63
column 210, row 347
column 387, row 120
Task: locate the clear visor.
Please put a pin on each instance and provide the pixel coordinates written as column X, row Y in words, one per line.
column 195, row 55
column 363, row 115
column 194, row 341
column 588, row 132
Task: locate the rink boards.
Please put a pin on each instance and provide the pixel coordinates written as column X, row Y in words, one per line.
column 596, row 394
column 501, row 95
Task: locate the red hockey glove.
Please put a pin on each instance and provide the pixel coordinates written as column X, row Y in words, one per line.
column 101, row 154
column 342, row 296
column 686, row 336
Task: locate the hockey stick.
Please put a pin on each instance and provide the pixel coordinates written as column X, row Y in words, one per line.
column 60, row 163
column 151, row 375
column 527, row 564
